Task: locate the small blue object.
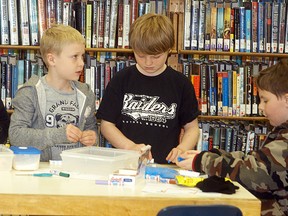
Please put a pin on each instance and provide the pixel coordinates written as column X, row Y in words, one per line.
column 180, row 159
column 25, row 150
column 163, row 172
column 43, row 174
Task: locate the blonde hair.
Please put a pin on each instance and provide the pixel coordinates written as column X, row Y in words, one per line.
column 152, row 34
column 275, row 78
column 56, row 37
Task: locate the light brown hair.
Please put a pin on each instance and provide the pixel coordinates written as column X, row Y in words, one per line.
column 56, row 37
column 275, row 78
column 152, row 34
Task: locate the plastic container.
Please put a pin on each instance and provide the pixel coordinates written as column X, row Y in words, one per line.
column 98, row 160
column 26, row 158
column 6, row 158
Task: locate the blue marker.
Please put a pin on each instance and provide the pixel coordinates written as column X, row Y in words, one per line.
column 180, row 159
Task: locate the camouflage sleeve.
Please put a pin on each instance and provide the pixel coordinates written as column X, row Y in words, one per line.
column 263, row 172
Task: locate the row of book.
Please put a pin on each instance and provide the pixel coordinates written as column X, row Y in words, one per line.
column 225, row 88
column 250, row 26
column 232, row 136
column 103, row 23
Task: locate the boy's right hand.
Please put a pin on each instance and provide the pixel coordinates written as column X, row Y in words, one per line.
column 73, row 133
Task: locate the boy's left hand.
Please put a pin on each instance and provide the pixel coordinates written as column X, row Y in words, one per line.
column 173, row 155
column 88, row 138
column 188, row 157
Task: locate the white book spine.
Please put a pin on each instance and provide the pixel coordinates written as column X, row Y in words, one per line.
column 13, row 18
column 113, row 24
column 126, row 25
column 4, row 22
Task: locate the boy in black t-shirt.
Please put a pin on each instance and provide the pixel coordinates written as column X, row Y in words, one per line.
column 149, row 103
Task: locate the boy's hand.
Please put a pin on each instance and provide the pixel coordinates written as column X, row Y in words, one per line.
column 172, row 156
column 88, row 138
column 73, row 133
column 188, row 157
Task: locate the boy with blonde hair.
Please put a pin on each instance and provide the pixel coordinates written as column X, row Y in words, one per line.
column 148, row 103
column 263, row 172
column 56, row 112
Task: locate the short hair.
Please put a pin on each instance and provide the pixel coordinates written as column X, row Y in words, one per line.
column 56, row 37
column 152, row 34
column 274, row 79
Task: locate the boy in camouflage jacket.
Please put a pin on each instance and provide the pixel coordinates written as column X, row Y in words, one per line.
column 263, row 172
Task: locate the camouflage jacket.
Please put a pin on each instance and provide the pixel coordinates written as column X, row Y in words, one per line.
column 264, row 172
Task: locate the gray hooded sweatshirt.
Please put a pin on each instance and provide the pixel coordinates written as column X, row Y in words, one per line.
column 27, row 127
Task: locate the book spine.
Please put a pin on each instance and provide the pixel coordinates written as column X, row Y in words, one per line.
column 212, row 90
column 254, row 26
column 4, row 27
column 88, row 23
column 213, row 36
column 230, row 92
column 113, row 24
column 33, row 22
column 275, row 26
column 234, row 93
column 260, row 27
column 101, row 24
column 242, row 36
column 268, row 26
column 225, row 89
column 237, row 29
column 13, row 20
column 220, row 27
column 248, row 27
column 50, row 13
column 120, row 25
column 59, row 11
column 42, row 17
column 134, row 10
column 94, row 24
column 232, row 31
column 207, row 26
column 194, row 25
column 126, row 24
column 248, row 89
column 219, row 93
column 187, row 25
column 203, row 90
column 201, row 34
column 286, row 34
column 282, row 20
column 67, row 12
column 227, row 29
column 107, row 23
column 3, row 81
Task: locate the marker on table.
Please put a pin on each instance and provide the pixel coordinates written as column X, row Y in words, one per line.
column 55, row 172
column 35, row 174
column 180, row 159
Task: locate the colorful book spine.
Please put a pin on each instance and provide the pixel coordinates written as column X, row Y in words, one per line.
column 212, row 76
column 220, row 93
column 234, row 92
column 268, row 26
column 204, row 90
column 242, row 38
column 220, row 27
column 50, row 13
column 254, row 26
column 101, row 18
column 33, row 22
column 232, row 30
column 227, row 29
column 225, row 90
column 213, row 36
column 230, row 92
column 237, row 29
column 248, row 25
column 88, row 24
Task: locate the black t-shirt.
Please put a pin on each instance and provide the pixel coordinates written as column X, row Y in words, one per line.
column 150, row 110
column 4, row 123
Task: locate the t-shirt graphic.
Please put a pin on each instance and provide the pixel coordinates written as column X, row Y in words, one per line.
column 147, row 108
column 62, row 113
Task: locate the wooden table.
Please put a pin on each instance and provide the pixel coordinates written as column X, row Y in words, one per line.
column 29, row 195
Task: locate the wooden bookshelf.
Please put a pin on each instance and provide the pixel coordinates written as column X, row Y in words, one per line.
column 229, row 118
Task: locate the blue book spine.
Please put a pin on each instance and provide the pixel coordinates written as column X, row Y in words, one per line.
column 242, row 47
column 225, row 89
column 248, row 29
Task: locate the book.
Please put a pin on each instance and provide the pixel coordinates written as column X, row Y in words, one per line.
column 213, row 35
column 50, row 13
column 120, row 24
column 254, row 27
column 59, row 11
column 67, row 12
column 80, row 15
column 219, row 93
column 94, row 24
column 212, row 77
column 227, row 29
column 232, row 30
column 101, row 20
column 237, row 29
column 220, row 27
column 207, row 26
column 13, row 22
column 41, row 17
column 201, row 32
column 275, row 27
column 88, row 24
column 4, row 26
column 268, row 26
column 282, row 25
column 242, row 35
column 107, row 19
column 33, row 22
column 248, row 88
column 24, row 23
column 187, row 25
column 247, row 26
column 204, row 89
column 225, row 93
column 126, row 24
column 134, row 10
column 113, row 24
column 194, row 24
column 260, row 27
